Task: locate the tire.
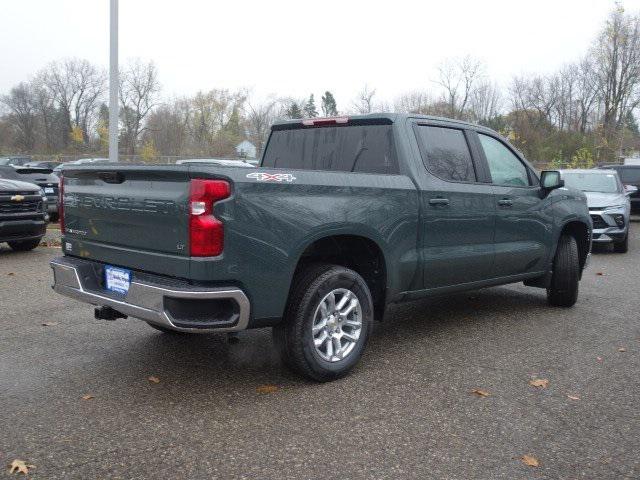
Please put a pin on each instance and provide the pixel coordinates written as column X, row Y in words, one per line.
column 24, row 245
column 312, row 291
column 164, row 329
column 563, row 291
column 623, row 246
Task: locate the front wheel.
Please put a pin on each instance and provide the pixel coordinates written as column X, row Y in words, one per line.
column 563, row 290
column 24, row 245
column 327, row 322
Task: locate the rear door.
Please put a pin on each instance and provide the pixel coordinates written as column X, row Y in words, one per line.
column 524, row 221
column 458, row 211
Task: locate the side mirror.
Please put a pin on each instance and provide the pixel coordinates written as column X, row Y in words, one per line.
column 550, row 180
column 630, row 190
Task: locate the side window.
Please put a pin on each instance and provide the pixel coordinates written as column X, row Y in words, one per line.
column 445, row 153
column 505, row 167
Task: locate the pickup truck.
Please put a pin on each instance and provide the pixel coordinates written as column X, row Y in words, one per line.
column 23, row 214
column 343, row 217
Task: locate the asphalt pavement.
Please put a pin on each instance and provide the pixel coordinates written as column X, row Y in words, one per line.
column 213, row 409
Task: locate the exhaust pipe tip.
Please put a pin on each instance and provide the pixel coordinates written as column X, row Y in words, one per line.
column 107, row 313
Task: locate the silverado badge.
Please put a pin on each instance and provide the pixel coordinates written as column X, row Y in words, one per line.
column 17, row 198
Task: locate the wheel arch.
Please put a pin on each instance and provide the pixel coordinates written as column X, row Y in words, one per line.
column 582, row 234
column 358, row 252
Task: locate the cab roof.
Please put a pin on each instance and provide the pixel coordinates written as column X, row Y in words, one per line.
column 373, row 118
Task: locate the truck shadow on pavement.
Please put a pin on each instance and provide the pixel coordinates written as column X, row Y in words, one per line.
column 209, row 363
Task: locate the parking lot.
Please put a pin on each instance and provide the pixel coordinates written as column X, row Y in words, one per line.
column 213, row 409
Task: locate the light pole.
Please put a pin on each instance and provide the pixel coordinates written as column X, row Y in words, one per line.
column 113, row 83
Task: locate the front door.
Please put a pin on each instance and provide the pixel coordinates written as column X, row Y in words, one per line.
column 523, row 232
column 458, row 211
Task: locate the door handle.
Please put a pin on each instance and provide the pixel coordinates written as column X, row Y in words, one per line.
column 505, row 202
column 439, row 201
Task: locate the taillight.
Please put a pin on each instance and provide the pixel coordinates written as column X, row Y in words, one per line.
column 206, row 232
column 61, row 203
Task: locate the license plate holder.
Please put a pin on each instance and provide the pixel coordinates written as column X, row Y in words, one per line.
column 49, row 190
column 117, row 279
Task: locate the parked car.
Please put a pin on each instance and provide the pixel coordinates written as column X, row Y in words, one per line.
column 23, row 214
column 345, row 216
column 43, row 164
column 608, row 204
column 43, row 177
column 216, row 161
column 630, row 177
column 15, row 160
column 82, row 161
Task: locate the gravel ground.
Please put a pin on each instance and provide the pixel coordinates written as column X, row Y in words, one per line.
column 407, row 411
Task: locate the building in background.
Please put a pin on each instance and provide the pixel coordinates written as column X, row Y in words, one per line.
column 246, row 149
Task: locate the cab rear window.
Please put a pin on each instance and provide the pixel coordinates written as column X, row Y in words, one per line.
column 350, row 148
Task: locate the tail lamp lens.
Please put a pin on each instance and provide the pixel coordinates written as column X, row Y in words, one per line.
column 206, row 232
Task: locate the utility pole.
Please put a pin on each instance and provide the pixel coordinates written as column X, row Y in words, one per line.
column 113, row 82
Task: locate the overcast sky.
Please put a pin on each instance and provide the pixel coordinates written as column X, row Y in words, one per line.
column 295, row 47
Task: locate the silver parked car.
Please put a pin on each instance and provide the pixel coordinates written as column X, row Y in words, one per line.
column 608, row 203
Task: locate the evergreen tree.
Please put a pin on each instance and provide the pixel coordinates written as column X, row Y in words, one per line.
column 631, row 123
column 328, row 105
column 293, row 111
column 310, row 108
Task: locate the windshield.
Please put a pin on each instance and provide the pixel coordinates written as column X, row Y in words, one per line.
column 592, row 182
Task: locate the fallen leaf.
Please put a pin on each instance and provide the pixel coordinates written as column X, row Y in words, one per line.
column 480, row 393
column 530, row 461
column 267, row 389
column 622, row 349
column 10, row 274
column 573, row 397
column 600, row 274
column 49, row 324
column 88, row 397
column 539, row 383
column 153, row 379
column 19, row 466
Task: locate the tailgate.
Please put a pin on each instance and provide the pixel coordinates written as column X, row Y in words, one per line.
column 127, row 210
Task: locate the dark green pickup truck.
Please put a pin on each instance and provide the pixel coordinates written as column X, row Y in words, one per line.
column 344, row 216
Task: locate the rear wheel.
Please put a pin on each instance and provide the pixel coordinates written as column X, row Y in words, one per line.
column 563, row 291
column 327, row 322
column 623, row 246
column 24, row 245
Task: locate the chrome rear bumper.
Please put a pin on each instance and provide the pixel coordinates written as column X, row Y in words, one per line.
column 147, row 301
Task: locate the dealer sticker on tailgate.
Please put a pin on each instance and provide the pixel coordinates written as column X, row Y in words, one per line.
column 117, row 279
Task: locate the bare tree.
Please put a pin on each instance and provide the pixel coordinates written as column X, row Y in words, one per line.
column 23, row 112
column 77, row 87
column 458, row 79
column 167, row 128
column 364, row 103
column 588, row 93
column 259, row 119
column 413, row 102
column 485, row 102
column 617, row 63
column 139, row 89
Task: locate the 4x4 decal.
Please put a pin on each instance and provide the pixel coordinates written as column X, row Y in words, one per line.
column 271, row 177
